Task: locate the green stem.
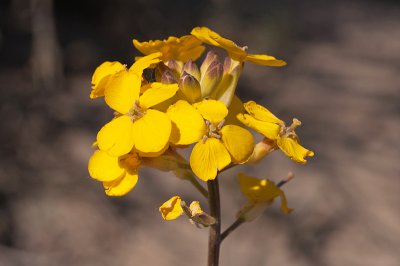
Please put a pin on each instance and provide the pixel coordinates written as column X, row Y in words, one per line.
column 214, row 239
column 198, row 186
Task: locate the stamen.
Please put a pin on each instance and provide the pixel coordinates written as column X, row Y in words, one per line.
column 205, row 137
column 221, row 124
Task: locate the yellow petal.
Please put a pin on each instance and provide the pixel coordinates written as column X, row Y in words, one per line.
column 180, row 49
column 188, row 125
column 104, row 167
column 122, row 91
column 152, row 131
column 206, row 35
column 156, row 94
column 122, row 185
column 212, row 110
column 116, row 137
column 209, row 157
column 261, row 113
column 264, row 60
column 262, row 191
column 144, row 62
column 269, row 130
column 292, row 148
column 210, row 37
column 101, row 77
column 238, row 141
column 171, row 209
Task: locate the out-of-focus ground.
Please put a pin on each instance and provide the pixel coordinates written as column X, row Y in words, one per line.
column 342, row 81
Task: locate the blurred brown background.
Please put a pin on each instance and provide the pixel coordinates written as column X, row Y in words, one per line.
column 342, row 81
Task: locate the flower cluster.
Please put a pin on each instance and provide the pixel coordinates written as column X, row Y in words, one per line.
column 186, row 105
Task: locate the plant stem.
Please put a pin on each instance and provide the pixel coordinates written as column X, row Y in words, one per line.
column 214, row 239
column 231, row 228
column 198, row 186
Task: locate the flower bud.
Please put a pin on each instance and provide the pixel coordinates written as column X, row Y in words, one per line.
column 190, row 88
column 175, row 67
column 227, row 87
column 211, row 57
column 159, row 71
column 168, row 77
column 211, row 78
column 192, row 69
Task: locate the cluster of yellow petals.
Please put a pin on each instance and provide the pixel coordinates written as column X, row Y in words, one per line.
column 185, row 105
column 263, row 121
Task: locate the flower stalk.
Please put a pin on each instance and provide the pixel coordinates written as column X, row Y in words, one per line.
column 214, row 239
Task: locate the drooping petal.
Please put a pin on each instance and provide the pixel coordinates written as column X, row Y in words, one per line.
column 144, row 62
column 188, row 125
column 116, row 137
column 238, row 141
column 235, row 52
column 104, row 167
column 292, row 148
column 269, row 130
column 122, row 185
column 209, row 157
column 181, row 49
column 212, row 110
column 122, row 91
column 211, row 37
column 264, row 60
column 171, row 209
column 152, row 131
column 261, row 113
column 262, row 191
column 101, row 77
column 156, row 94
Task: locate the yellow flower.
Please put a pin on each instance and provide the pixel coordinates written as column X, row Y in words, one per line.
column 237, row 53
column 217, row 145
column 180, row 49
column 101, row 77
column 103, row 74
column 119, row 175
column 137, row 125
column 171, row 209
column 175, row 207
column 260, row 194
column 264, row 122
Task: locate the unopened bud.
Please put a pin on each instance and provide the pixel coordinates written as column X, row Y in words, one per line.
column 211, row 78
column 190, row 88
column 192, row 69
column 175, row 67
column 211, row 57
column 227, row 87
column 159, row 71
column 168, row 77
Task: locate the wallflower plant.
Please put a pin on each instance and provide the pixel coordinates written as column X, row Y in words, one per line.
column 189, row 106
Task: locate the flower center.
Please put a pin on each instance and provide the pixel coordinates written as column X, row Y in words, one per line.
column 289, row 131
column 136, row 111
column 213, row 130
